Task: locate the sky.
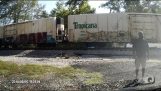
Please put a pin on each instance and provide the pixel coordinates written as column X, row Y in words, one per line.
column 49, row 5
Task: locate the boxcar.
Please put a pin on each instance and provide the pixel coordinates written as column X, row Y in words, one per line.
column 113, row 27
column 41, row 31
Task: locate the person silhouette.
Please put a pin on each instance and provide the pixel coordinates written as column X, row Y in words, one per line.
column 140, row 53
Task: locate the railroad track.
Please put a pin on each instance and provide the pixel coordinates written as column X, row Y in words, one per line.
column 100, row 52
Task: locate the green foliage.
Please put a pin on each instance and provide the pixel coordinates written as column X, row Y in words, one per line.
column 63, row 9
column 84, row 8
column 23, row 10
column 44, row 14
column 71, row 7
column 20, row 10
column 6, row 7
column 38, row 11
column 138, row 6
column 113, row 5
column 73, row 3
column 30, row 9
column 60, row 10
column 79, row 7
column 132, row 6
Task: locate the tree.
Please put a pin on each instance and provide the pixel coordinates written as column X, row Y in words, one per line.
column 71, row 7
column 113, row 5
column 84, row 8
column 79, row 7
column 74, row 3
column 127, row 5
column 44, row 14
column 4, row 21
column 6, row 7
column 139, row 6
column 133, row 6
column 23, row 10
column 37, row 11
column 16, row 10
column 152, row 6
column 61, row 11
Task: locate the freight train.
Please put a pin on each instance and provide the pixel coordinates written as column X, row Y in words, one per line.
column 46, row 31
column 83, row 28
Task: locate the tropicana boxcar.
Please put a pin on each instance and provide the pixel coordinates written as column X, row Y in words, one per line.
column 113, row 27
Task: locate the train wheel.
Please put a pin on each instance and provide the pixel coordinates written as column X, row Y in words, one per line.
column 14, row 46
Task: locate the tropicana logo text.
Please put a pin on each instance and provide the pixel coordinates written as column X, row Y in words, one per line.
column 82, row 26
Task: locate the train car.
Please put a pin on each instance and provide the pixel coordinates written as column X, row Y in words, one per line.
column 41, row 32
column 1, row 34
column 113, row 27
column 98, row 29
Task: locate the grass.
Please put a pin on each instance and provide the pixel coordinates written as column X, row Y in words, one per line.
column 9, row 68
column 91, row 78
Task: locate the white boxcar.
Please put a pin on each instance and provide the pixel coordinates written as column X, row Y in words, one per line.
column 41, row 25
column 45, row 25
column 114, row 27
column 42, row 31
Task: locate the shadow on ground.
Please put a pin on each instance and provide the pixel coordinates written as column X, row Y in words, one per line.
column 118, row 74
column 114, row 77
column 41, row 54
column 46, row 53
column 10, row 52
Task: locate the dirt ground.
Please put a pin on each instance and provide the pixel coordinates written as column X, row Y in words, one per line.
column 116, row 70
